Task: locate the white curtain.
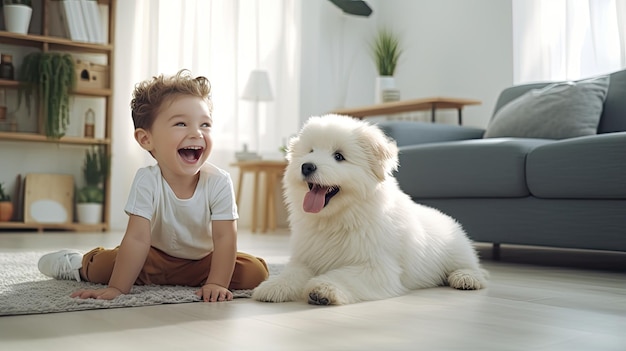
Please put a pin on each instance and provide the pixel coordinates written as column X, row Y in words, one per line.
column 223, row 40
column 567, row 39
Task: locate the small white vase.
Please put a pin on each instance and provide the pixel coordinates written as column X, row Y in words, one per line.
column 383, row 83
column 89, row 213
column 17, row 18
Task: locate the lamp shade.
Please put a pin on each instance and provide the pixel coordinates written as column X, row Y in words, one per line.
column 258, row 87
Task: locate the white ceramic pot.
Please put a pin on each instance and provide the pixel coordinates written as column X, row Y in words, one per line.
column 89, row 213
column 17, row 18
column 383, row 83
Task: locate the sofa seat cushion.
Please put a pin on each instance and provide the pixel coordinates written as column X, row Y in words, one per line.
column 469, row 168
column 591, row 167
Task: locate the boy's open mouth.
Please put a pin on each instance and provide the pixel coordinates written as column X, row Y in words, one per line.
column 191, row 153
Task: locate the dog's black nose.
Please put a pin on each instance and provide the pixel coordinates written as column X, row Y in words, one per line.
column 308, row 169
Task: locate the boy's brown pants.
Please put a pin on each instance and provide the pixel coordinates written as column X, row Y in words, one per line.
column 163, row 269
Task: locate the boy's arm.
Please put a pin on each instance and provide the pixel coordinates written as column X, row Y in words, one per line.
column 130, row 259
column 132, row 254
column 222, row 262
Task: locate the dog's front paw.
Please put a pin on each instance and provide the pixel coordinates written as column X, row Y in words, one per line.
column 275, row 290
column 468, row 279
column 326, row 294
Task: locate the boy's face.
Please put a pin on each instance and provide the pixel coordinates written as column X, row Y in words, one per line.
column 180, row 138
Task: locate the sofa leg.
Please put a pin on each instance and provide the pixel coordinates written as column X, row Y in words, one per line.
column 495, row 252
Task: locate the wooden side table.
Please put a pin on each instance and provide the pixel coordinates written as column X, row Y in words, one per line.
column 424, row 104
column 273, row 174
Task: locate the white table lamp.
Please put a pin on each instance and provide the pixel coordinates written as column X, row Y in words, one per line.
column 257, row 89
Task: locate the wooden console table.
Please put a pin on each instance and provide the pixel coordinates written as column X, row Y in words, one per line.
column 273, row 172
column 424, row 104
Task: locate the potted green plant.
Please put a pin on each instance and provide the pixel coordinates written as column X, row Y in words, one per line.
column 386, row 51
column 51, row 77
column 17, row 14
column 6, row 206
column 90, row 197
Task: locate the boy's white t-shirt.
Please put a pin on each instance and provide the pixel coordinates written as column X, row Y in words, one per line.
column 182, row 227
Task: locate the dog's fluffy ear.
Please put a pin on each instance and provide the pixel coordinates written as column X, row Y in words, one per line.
column 290, row 145
column 384, row 151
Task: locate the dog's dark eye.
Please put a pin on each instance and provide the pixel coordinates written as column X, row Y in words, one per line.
column 338, row 157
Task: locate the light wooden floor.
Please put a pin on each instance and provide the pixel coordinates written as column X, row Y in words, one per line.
column 538, row 300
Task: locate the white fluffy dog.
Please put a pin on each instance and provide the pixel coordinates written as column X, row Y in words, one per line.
column 355, row 235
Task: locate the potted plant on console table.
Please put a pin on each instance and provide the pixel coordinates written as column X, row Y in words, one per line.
column 89, row 198
column 386, row 51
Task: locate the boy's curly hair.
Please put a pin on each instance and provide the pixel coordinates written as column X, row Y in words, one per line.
column 150, row 95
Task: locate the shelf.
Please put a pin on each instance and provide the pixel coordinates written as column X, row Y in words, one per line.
column 92, row 92
column 18, row 136
column 54, row 43
column 5, row 83
column 40, row 227
column 48, row 149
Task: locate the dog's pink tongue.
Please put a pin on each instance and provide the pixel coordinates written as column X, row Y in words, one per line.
column 314, row 199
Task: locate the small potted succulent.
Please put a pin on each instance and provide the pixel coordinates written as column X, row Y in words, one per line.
column 89, row 198
column 6, row 206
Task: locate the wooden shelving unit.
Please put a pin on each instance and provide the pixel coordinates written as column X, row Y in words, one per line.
column 45, row 43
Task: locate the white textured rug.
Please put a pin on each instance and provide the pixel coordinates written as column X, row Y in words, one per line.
column 24, row 290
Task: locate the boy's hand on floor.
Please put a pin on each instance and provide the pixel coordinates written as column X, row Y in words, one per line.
column 100, row 294
column 213, row 292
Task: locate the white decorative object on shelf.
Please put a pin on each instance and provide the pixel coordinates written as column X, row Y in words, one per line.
column 91, row 18
column 73, row 15
column 17, row 18
column 48, row 211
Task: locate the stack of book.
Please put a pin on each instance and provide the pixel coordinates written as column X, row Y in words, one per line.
column 78, row 20
column 390, row 95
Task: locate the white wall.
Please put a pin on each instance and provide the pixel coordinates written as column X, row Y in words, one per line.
column 453, row 48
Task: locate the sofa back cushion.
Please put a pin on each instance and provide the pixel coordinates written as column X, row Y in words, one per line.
column 556, row 111
column 613, row 117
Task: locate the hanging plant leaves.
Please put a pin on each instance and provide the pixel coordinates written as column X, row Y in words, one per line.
column 51, row 76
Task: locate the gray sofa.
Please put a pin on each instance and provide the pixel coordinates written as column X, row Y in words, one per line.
column 567, row 193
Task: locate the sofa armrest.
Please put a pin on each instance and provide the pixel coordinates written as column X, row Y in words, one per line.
column 413, row 133
column 584, row 167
